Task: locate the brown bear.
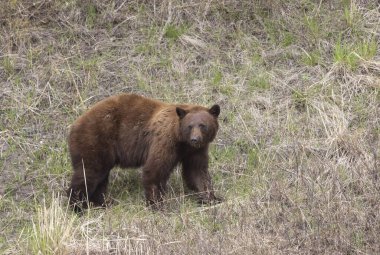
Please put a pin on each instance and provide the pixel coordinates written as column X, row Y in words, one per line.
column 130, row 131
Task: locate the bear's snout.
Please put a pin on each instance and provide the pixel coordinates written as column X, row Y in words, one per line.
column 196, row 137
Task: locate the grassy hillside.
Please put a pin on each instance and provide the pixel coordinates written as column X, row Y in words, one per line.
column 297, row 158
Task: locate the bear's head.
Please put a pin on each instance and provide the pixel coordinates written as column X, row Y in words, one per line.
column 198, row 125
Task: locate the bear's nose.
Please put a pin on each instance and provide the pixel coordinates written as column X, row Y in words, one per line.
column 195, row 139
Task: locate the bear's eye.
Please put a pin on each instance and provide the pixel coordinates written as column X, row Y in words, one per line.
column 203, row 127
column 189, row 127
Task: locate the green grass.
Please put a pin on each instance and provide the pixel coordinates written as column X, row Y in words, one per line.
column 295, row 157
column 352, row 55
column 8, row 65
column 173, row 32
column 91, row 15
column 313, row 26
column 260, row 82
column 311, row 59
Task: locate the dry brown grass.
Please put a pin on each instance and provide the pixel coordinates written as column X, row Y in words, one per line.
column 297, row 156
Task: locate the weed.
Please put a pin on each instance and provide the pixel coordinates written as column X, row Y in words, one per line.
column 91, row 13
column 350, row 13
column 288, row 39
column 352, row 55
column 253, row 158
column 313, row 26
column 271, row 29
column 260, row 82
column 8, row 65
column 217, row 78
column 173, row 32
column 311, row 59
column 300, row 99
column 367, row 49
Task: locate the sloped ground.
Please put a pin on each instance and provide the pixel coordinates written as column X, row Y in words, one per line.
column 297, row 156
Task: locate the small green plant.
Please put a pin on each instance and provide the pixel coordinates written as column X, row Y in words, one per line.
column 91, row 16
column 348, row 17
column 311, row 59
column 173, row 32
column 148, row 45
column 227, row 89
column 209, row 222
column 313, row 26
column 358, row 238
column 288, row 39
column 367, row 50
column 13, row 3
column 253, row 158
column 8, row 66
column 32, row 56
column 259, row 82
column 350, row 13
column 344, row 55
column 226, row 154
column 256, row 59
column 272, row 30
column 145, row 48
column 217, row 78
column 244, row 185
column 142, row 84
column 218, row 83
column 340, row 52
column 89, row 64
column 351, row 55
column 300, row 99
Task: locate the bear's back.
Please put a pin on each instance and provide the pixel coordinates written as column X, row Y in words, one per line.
column 114, row 129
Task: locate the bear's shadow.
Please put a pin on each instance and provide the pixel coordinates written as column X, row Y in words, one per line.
column 125, row 187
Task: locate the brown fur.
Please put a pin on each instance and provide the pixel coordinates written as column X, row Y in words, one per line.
column 132, row 131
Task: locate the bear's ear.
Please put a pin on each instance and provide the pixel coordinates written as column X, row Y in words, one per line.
column 180, row 112
column 214, row 110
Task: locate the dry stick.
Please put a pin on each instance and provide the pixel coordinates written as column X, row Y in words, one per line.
column 121, row 23
column 85, row 181
column 246, row 128
column 169, row 19
column 88, row 206
column 75, row 85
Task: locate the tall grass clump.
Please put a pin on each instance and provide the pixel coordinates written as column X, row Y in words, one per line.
column 53, row 228
column 351, row 55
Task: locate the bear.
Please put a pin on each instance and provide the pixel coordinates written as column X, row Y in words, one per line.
column 131, row 131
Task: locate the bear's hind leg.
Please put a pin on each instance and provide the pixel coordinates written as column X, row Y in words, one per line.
column 82, row 189
column 98, row 197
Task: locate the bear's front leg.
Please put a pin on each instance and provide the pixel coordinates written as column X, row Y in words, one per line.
column 197, row 177
column 155, row 176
